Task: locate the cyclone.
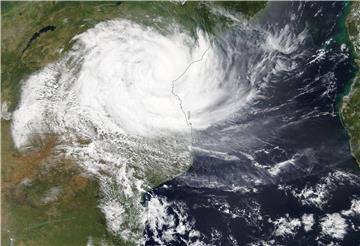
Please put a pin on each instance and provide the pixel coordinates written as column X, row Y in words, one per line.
column 135, row 80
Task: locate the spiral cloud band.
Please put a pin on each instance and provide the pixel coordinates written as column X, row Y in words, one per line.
column 135, row 80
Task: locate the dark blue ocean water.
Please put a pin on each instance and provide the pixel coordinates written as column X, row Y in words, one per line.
column 294, row 132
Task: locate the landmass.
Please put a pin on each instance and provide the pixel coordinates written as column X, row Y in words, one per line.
column 47, row 200
column 350, row 110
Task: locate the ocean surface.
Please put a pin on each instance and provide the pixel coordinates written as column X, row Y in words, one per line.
column 280, row 172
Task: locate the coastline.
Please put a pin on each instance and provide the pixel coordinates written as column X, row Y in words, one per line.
column 350, row 109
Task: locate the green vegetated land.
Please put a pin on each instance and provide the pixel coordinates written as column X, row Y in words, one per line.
column 351, row 103
column 47, row 200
